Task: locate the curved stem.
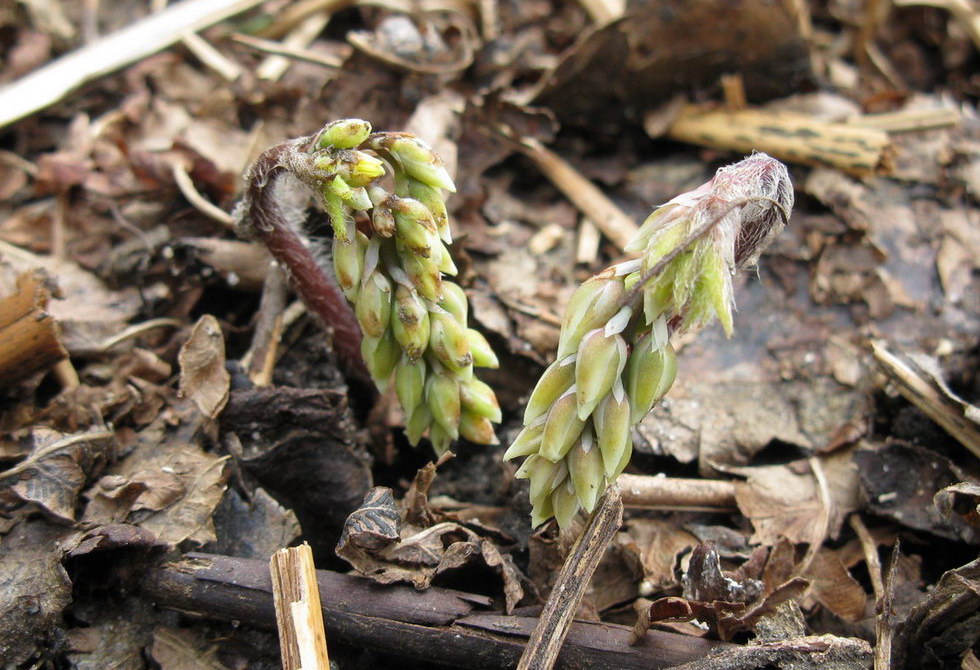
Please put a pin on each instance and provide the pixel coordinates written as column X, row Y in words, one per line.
column 261, row 215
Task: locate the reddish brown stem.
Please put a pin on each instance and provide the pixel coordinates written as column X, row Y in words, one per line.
column 262, row 216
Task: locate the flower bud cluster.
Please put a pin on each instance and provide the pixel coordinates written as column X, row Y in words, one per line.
column 615, row 360
column 413, row 320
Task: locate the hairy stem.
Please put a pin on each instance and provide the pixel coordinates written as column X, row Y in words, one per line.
column 262, row 216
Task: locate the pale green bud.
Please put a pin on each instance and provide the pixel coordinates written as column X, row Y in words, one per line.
column 454, row 301
column 541, row 512
column 360, row 168
column 381, row 356
column 713, row 293
column 424, row 275
column 343, row 134
column 448, row 341
column 343, row 225
column 348, row 260
column 446, row 264
column 411, row 323
column 599, row 362
column 483, row 355
column 420, row 162
column 565, row 503
column 479, row 399
column 649, row 375
column 544, row 477
column 418, row 422
column 612, row 423
column 433, row 200
column 591, row 306
column 442, row 396
column 624, row 460
column 373, row 306
column 527, row 442
column 355, row 198
column 440, row 438
column 476, row 428
column 556, row 379
column 410, row 384
column 586, row 471
column 414, row 225
column 562, row 427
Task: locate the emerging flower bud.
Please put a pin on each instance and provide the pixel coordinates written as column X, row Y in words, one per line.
column 344, row 134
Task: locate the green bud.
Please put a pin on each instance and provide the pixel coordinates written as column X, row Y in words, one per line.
column 381, row 356
column 448, row 341
column 418, row 422
column 545, row 477
column 411, row 323
column 562, row 427
column 410, row 384
column 713, row 293
column 586, row 472
column 420, row 162
column 541, row 512
column 348, row 260
column 527, row 442
column 360, row 169
column 483, row 355
column 479, row 399
column 355, row 198
column 442, row 396
column 424, row 275
column 476, row 428
column 343, row 226
column 599, row 363
column 383, row 221
column 557, row 378
column 591, row 306
column 612, row 426
column 414, row 225
column 373, row 306
column 454, row 301
column 649, row 375
column 434, row 202
column 565, row 503
column 625, row 460
column 446, row 264
column 344, row 134
column 441, row 440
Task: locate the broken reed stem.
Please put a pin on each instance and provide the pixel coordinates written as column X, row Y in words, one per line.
column 676, row 493
column 586, row 196
column 795, row 138
column 883, row 631
column 552, row 627
column 922, row 392
column 302, row 641
column 30, row 341
column 260, row 360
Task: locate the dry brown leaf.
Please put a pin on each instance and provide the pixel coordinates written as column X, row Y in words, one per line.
column 833, row 586
column 783, row 500
column 203, row 377
column 34, row 589
column 658, row 544
column 53, row 474
column 381, row 541
column 184, row 649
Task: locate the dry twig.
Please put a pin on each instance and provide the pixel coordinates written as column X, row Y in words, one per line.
column 546, row 640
